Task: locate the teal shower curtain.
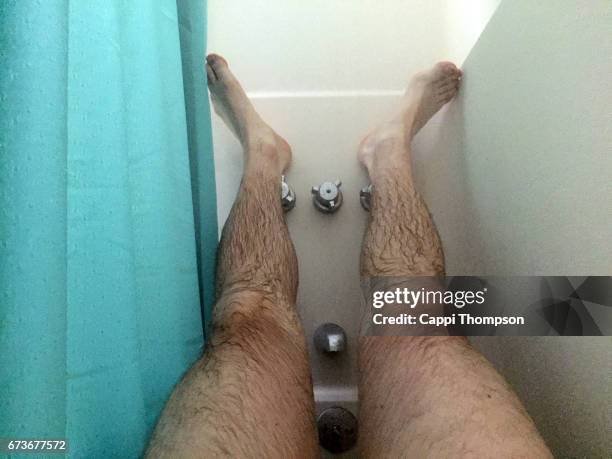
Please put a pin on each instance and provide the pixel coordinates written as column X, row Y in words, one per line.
column 107, row 216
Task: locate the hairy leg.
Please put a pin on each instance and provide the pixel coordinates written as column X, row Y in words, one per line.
column 431, row 396
column 250, row 395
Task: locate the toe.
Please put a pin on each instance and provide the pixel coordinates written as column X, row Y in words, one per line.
column 446, row 89
column 449, row 93
column 447, row 83
column 216, row 59
column 446, row 70
column 446, row 67
column 218, row 66
column 212, row 78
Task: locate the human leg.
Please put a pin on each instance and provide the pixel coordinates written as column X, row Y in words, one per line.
column 250, row 395
column 425, row 396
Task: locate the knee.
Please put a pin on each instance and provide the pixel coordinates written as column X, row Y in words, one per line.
column 254, row 314
column 258, row 288
column 241, row 305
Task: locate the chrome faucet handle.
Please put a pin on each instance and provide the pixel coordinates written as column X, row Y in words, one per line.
column 287, row 195
column 327, row 197
column 365, row 197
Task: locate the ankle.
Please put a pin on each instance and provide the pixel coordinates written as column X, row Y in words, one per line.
column 411, row 124
column 388, row 159
column 262, row 168
column 396, row 170
column 267, row 152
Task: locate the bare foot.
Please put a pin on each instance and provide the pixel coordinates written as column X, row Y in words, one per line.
column 427, row 93
column 262, row 146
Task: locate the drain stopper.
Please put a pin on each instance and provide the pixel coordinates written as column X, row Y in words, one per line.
column 337, row 429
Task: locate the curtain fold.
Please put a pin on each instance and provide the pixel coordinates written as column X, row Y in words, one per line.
column 108, row 219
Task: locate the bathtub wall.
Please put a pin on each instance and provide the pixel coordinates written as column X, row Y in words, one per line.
column 357, row 55
column 516, row 171
column 522, row 161
column 518, row 175
column 323, row 74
